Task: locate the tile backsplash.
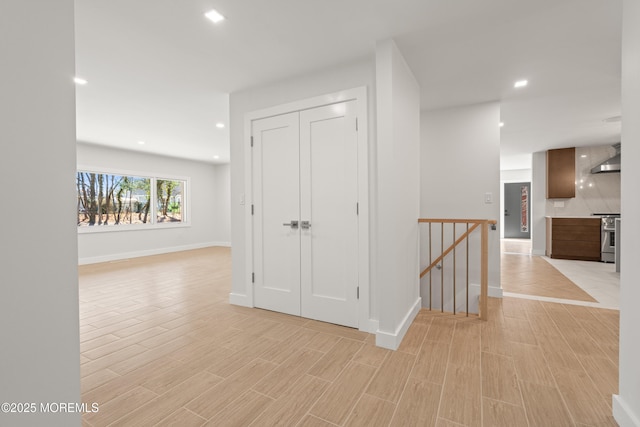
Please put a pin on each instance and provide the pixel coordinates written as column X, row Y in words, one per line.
column 595, row 193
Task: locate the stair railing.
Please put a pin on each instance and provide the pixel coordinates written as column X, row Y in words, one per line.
column 471, row 226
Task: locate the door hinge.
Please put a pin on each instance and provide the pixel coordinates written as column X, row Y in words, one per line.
column 253, row 277
column 358, row 292
column 356, row 124
column 251, row 209
column 357, row 208
column 252, row 140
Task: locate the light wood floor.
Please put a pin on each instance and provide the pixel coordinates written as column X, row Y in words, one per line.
column 162, row 346
column 532, row 275
column 515, row 246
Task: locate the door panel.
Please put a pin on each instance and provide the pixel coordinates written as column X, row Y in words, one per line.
column 517, row 215
column 329, row 193
column 276, row 198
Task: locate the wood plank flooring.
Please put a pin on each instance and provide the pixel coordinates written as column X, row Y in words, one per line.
column 162, row 346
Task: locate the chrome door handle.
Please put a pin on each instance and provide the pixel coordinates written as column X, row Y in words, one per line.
column 292, row 224
column 305, row 225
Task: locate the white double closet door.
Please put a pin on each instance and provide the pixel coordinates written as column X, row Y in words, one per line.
column 305, row 221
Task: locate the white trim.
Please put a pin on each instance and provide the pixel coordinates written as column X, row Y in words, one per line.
column 623, row 414
column 158, row 251
column 248, row 223
column 240, row 299
column 358, row 94
column 123, row 172
column 492, row 291
column 392, row 340
column 86, row 229
column 365, row 321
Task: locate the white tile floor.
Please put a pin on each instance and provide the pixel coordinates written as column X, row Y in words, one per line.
column 598, row 279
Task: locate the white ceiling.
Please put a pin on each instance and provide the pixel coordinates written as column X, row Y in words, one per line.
column 160, row 72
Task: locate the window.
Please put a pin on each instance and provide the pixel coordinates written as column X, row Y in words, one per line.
column 121, row 201
column 169, row 198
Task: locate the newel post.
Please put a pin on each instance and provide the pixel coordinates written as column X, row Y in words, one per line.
column 484, row 271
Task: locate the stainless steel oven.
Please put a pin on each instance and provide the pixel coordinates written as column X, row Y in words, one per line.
column 608, row 239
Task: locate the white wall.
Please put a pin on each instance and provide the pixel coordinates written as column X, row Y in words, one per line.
column 626, row 405
column 398, row 171
column 39, row 336
column 515, row 175
column 209, row 199
column 460, row 163
column 361, row 73
column 221, row 192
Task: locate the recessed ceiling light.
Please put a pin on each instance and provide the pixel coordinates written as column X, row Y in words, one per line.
column 216, row 157
column 214, row 16
column 501, row 124
column 79, row 81
column 520, row 83
column 141, row 142
column 220, row 125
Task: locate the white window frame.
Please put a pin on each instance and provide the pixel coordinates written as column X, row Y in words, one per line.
column 153, row 211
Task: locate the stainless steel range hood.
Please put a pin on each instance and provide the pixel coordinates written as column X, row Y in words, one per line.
column 610, row 165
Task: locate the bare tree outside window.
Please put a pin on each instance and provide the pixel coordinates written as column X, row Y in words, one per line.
column 109, row 200
column 169, row 196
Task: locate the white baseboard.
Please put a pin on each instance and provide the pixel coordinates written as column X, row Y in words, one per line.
column 495, row 292
column 371, row 326
column 240, row 299
column 492, row 291
column 392, row 340
column 623, row 413
column 148, row 252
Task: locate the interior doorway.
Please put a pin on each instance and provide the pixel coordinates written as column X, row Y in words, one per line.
column 517, row 210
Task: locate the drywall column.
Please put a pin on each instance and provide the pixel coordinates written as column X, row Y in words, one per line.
column 398, row 108
column 39, row 336
column 626, row 405
column 460, row 169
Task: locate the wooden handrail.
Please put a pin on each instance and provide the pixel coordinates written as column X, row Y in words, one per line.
column 458, row 221
column 449, row 249
column 484, row 255
column 476, row 223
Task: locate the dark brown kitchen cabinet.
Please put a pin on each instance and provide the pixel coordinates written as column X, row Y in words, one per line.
column 573, row 238
column 561, row 173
